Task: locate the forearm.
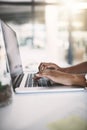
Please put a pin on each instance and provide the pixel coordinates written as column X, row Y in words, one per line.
column 72, row 79
column 76, row 69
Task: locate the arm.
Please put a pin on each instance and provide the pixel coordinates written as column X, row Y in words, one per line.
column 75, row 69
column 67, row 76
column 79, row 68
column 63, row 78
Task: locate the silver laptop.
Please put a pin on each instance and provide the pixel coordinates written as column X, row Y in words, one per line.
column 23, row 82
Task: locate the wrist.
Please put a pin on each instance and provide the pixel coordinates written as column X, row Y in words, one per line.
column 79, row 80
column 64, row 70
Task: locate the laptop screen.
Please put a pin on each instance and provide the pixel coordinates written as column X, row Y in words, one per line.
column 12, row 50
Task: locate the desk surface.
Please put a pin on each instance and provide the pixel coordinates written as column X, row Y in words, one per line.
column 37, row 111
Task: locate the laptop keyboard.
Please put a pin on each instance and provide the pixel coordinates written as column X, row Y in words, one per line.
column 29, row 81
column 17, row 80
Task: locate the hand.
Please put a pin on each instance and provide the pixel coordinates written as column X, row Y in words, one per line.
column 51, row 66
column 53, row 75
column 43, row 66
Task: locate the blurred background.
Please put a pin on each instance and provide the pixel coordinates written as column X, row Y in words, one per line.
column 47, row 30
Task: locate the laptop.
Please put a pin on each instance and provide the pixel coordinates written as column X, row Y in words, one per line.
column 23, row 82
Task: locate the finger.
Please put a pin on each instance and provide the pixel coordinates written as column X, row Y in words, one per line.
column 38, row 75
column 36, row 78
column 39, row 66
column 42, row 67
column 50, row 66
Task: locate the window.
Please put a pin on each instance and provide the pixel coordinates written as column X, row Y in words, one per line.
column 43, row 27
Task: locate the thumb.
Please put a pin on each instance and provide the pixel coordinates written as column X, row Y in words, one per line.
column 39, row 75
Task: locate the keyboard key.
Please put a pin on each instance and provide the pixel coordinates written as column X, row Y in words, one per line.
column 24, row 80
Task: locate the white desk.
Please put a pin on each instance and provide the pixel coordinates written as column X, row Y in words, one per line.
column 36, row 111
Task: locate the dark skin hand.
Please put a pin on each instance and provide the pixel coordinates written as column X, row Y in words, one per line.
column 77, row 69
column 66, row 76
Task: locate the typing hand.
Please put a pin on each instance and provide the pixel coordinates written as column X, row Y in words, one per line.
column 52, row 75
column 51, row 66
column 43, row 66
